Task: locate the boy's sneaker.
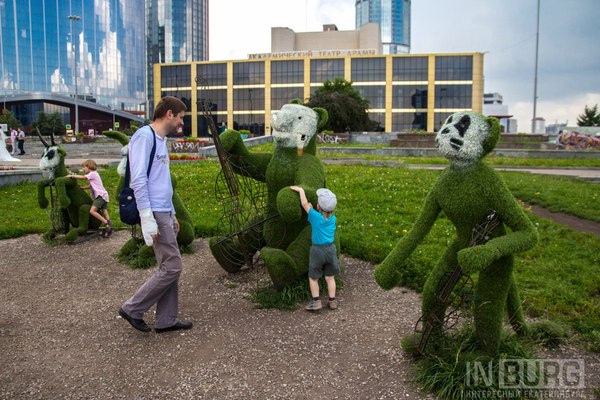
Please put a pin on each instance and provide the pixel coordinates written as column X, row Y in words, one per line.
column 332, row 304
column 314, row 305
column 107, row 231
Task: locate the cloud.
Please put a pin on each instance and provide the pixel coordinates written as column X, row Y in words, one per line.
column 569, row 55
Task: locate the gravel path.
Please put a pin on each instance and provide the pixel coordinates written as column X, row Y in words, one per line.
column 61, row 338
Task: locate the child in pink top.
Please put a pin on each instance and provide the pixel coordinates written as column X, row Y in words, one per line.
column 99, row 194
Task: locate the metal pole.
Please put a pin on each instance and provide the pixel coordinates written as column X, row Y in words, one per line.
column 537, row 43
column 75, row 18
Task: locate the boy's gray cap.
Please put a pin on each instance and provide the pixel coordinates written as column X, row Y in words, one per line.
column 326, row 199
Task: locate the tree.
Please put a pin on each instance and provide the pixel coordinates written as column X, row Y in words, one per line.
column 590, row 117
column 8, row 118
column 346, row 107
column 50, row 124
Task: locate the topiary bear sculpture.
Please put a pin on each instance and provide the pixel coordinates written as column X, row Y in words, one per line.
column 135, row 252
column 284, row 241
column 466, row 192
column 74, row 203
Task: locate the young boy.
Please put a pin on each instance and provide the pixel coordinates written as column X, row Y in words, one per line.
column 99, row 194
column 323, row 254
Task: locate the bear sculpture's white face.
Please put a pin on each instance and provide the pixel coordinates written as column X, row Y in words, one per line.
column 461, row 138
column 294, row 126
column 50, row 161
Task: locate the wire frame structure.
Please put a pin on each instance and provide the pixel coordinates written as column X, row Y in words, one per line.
column 455, row 293
column 242, row 196
column 54, row 212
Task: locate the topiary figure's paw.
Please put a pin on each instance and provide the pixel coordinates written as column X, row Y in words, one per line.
column 43, row 202
column 281, row 267
column 387, row 276
column 477, row 258
column 232, row 142
column 548, row 333
column 288, row 205
column 49, row 236
column 71, row 236
column 227, row 253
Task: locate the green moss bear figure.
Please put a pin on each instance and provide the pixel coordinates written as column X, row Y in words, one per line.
column 134, row 251
column 74, row 202
column 284, row 241
column 466, row 192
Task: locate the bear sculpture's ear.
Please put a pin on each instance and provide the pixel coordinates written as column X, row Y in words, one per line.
column 297, row 101
column 323, row 117
column 490, row 142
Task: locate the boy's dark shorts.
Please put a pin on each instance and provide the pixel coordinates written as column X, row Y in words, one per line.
column 323, row 261
column 99, row 203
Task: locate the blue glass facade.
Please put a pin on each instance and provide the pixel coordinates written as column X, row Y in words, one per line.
column 102, row 52
column 176, row 31
column 393, row 17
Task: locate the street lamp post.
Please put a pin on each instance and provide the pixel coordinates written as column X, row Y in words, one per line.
column 75, row 18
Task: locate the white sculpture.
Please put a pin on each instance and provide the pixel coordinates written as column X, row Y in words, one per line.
column 4, row 154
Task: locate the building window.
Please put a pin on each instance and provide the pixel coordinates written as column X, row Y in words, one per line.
column 453, row 68
column 439, row 119
column 175, row 76
column 215, row 74
column 255, row 123
column 287, row 71
column 453, row 96
column 183, row 95
column 409, row 96
column 203, row 125
column 368, row 69
column 410, row 69
column 409, row 121
column 248, row 99
column 249, row 73
column 217, row 98
column 322, row 70
column 375, row 95
column 379, row 121
column 282, row 96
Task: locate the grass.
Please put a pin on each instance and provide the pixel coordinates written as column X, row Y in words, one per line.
column 559, row 279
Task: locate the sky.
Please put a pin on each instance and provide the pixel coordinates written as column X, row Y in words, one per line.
column 568, row 75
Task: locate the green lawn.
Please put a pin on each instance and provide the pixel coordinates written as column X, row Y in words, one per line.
column 559, row 278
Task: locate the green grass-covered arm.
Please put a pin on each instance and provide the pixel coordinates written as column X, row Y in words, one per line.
column 244, row 162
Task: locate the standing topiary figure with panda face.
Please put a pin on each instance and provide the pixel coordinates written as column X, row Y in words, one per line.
column 466, row 192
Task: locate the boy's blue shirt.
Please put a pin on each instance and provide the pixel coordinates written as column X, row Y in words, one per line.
column 323, row 230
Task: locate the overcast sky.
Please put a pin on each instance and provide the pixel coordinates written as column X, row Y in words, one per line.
column 569, row 43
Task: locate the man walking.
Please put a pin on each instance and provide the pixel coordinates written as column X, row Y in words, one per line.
column 154, row 193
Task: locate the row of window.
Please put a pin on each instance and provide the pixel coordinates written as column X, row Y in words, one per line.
column 403, row 97
column 369, row 69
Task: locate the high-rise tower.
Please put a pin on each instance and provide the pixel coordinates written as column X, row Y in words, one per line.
column 176, row 31
column 393, row 17
column 65, row 47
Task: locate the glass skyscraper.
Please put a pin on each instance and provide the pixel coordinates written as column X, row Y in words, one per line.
column 393, row 17
column 56, row 45
column 176, row 31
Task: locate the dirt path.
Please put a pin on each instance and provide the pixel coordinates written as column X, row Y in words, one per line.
column 61, row 338
column 573, row 222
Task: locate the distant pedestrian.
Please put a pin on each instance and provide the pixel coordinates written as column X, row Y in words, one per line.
column 13, row 141
column 21, row 140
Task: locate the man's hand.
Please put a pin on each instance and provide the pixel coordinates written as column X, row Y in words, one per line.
column 149, row 226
